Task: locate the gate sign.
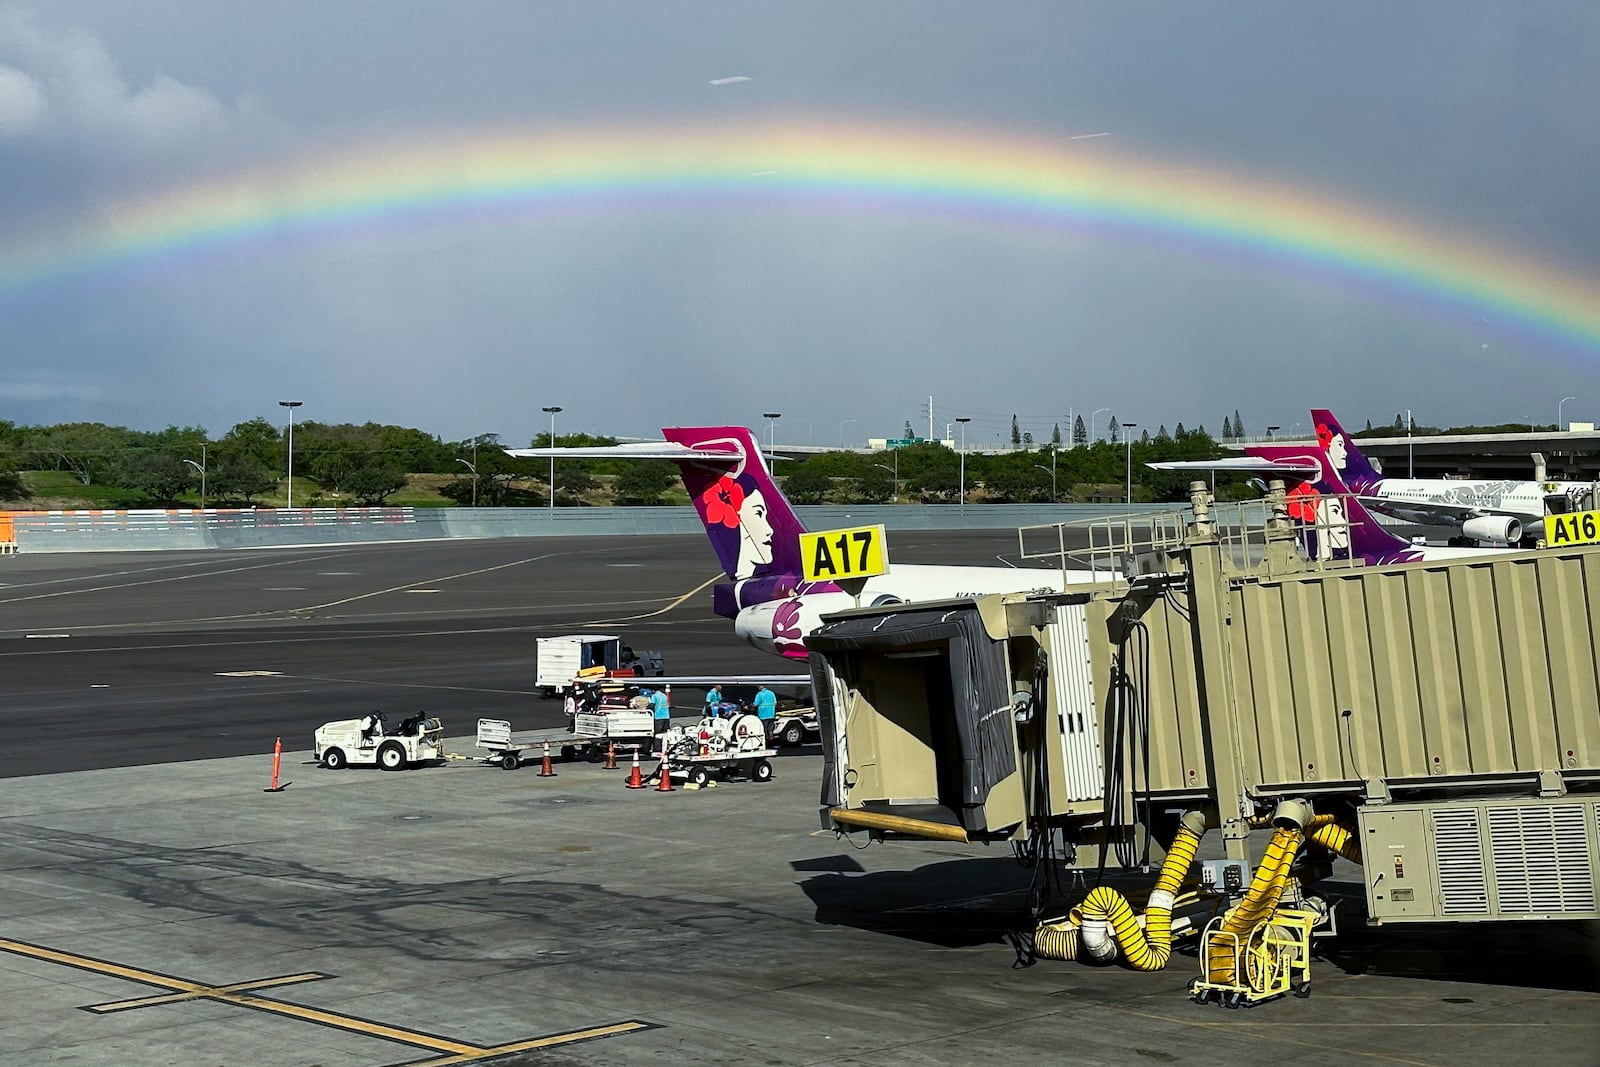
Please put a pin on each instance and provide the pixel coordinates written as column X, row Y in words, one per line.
column 833, row 555
column 1576, row 528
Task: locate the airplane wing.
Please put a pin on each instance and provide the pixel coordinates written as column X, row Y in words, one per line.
column 1241, row 463
column 711, row 453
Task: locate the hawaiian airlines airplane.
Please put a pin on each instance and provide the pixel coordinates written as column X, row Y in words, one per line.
column 756, row 536
column 1496, row 512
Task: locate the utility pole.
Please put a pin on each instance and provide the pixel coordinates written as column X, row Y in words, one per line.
column 963, row 422
column 1128, row 438
column 552, row 412
column 291, row 405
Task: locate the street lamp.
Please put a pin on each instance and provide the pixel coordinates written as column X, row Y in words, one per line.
column 1091, row 422
column 1128, row 440
column 894, row 486
column 1558, row 411
column 963, row 423
column 1271, row 430
column 772, row 418
column 552, row 412
column 842, row 425
column 1052, row 470
column 1411, row 467
column 201, row 467
column 291, row 405
column 473, row 467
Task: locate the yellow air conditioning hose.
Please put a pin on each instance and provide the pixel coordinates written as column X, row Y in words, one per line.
column 1336, row 838
column 1259, row 902
column 1105, row 920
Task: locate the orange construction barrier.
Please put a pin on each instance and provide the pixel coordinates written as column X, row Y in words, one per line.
column 635, row 779
column 545, row 770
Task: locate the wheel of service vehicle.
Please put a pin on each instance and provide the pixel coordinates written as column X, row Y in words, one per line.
column 510, row 761
column 392, row 757
column 793, row 734
column 761, row 771
column 568, row 753
column 334, row 760
column 698, row 775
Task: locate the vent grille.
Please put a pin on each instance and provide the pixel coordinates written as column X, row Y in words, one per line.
column 1541, row 860
column 1072, row 678
column 1459, row 855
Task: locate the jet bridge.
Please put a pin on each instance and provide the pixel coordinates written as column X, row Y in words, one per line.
column 1440, row 720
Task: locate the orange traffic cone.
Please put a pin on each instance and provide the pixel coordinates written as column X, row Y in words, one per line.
column 611, row 756
column 665, row 784
column 277, row 755
column 635, row 779
column 545, row 770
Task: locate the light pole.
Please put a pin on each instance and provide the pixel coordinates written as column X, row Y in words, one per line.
column 894, row 486
column 1128, row 440
column 842, row 425
column 1091, row 422
column 291, row 405
column 1558, row 411
column 963, row 423
column 1271, row 430
column 772, row 418
column 201, row 467
column 1052, row 470
column 473, row 467
column 552, row 412
column 1411, row 467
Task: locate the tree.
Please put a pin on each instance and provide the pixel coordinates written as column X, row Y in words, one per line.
column 910, row 434
column 1227, row 429
column 643, row 481
column 1369, row 427
column 875, row 486
column 1027, row 440
column 1016, row 433
column 160, row 475
column 1238, row 425
column 1055, row 436
column 1080, row 436
column 1162, row 434
column 1144, row 438
column 807, row 485
column 239, row 477
column 373, row 481
column 1400, row 423
column 1115, row 430
column 256, row 439
column 12, row 487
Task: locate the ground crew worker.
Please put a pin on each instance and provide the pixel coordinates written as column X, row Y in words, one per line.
column 713, row 702
column 663, row 711
column 766, row 710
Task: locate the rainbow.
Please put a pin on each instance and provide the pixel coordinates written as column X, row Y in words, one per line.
column 1056, row 188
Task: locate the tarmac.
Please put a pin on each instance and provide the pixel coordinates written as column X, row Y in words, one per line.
column 170, row 911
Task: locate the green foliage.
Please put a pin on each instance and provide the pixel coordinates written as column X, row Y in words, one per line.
column 373, row 481
column 807, row 484
column 644, row 480
column 158, row 474
column 234, row 477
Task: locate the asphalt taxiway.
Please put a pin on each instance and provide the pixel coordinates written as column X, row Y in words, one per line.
column 160, row 908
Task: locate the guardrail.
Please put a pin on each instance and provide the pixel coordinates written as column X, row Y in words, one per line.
column 160, row 530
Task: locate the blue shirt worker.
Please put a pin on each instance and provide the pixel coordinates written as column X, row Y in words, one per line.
column 663, row 711
column 766, row 709
column 713, row 701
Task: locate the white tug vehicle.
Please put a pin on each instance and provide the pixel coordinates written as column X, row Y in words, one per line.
column 370, row 740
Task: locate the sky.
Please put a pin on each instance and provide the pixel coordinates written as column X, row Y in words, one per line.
column 453, row 215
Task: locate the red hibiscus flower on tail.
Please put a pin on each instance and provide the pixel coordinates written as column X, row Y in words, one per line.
column 723, row 501
column 1303, row 500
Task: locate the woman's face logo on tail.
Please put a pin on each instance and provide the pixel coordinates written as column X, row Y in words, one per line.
column 1333, row 443
column 755, row 535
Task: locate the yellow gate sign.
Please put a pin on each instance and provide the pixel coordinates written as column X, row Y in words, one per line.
column 1578, row 528
column 833, row 555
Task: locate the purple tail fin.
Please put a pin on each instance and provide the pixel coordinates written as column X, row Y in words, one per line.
column 1353, row 468
column 752, row 528
column 1336, row 525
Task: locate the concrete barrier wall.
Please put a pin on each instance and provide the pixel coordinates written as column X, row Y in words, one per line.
column 123, row 531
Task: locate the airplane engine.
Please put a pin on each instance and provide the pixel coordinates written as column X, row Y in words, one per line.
column 781, row 626
column 1496, row 529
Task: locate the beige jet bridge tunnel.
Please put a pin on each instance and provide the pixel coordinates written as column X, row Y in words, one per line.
column 1443, row 718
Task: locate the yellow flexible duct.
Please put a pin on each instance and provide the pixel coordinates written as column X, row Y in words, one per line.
column 1105, row 910
column 1336, row 838
column 1259, row 902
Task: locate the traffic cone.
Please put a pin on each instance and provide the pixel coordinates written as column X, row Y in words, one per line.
column 665, row 784
column 635, row 779
column 611, row 756
column 545, row 770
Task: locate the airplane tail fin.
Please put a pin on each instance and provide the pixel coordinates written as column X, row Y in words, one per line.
column 1336, row 524
column 1355, row 470
column 752, row 528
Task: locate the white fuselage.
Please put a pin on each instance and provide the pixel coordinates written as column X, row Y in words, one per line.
column 780, row 626
column 1523, row 500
